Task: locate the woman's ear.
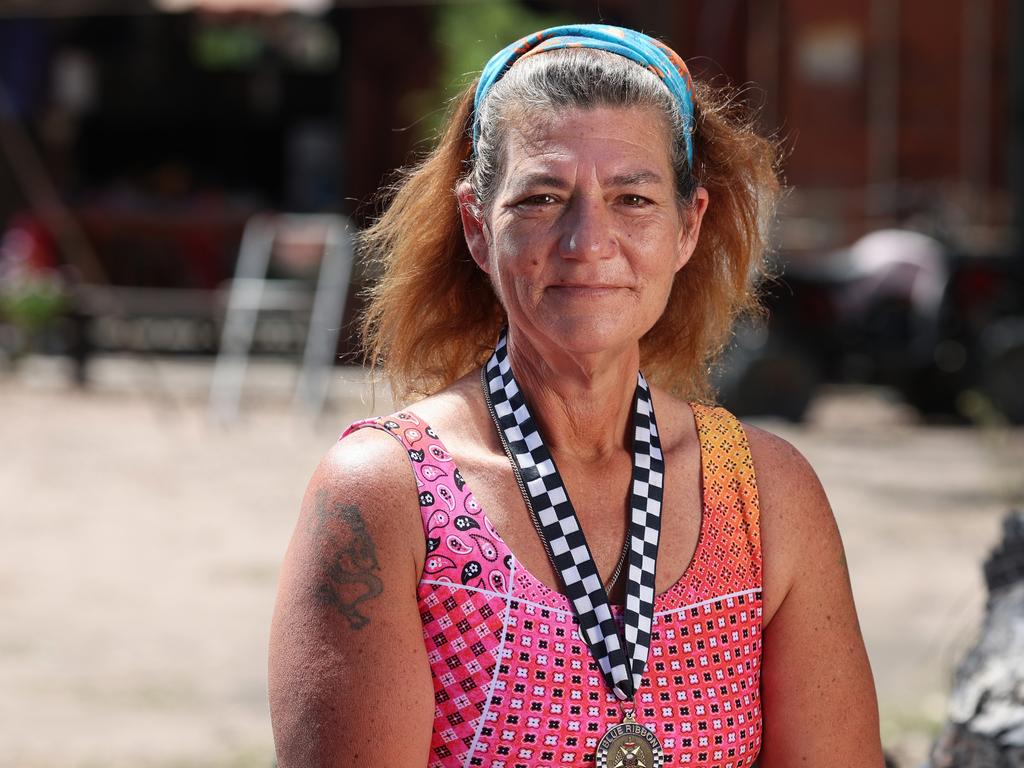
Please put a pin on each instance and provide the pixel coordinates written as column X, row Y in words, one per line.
column 473, row 226
column 692, row 215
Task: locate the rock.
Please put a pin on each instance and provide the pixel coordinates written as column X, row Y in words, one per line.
column 986, row 711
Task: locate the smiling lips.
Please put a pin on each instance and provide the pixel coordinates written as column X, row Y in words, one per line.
column 584, row 290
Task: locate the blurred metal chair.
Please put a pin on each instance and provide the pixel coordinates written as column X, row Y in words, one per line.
column 253, row 291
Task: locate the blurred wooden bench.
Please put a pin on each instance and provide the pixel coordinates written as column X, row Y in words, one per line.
column 251, row 313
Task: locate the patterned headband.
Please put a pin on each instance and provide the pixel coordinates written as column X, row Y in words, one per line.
column 652, row 54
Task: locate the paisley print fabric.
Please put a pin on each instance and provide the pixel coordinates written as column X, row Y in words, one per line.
column 514, row 683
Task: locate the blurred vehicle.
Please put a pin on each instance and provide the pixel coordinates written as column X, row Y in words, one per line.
column 897, row 308
column 980, row 344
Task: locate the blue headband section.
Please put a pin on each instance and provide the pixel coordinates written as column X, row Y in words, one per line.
column 644, row 50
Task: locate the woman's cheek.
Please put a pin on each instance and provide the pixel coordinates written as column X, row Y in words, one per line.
column 525, row 254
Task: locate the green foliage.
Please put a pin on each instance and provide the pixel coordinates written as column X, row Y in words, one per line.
column 31, row 301
column 466, row 36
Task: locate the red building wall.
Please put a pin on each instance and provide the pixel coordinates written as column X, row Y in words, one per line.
column 822, row 112
column 884, row 107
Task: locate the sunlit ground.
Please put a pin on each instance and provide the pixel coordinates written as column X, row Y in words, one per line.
column 140, row 547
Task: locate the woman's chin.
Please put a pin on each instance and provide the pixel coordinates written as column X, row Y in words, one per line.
column 587, row 335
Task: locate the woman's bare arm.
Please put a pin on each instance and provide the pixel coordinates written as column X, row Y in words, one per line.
column 817, row 693
column 349, row 678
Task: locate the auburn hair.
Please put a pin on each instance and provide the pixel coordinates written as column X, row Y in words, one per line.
column 432, row 315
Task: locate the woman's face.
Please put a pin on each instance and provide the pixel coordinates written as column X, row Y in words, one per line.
column 585, row 232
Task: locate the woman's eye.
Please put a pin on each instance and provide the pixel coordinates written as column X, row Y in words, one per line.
column 537, row 200
column 635, row 201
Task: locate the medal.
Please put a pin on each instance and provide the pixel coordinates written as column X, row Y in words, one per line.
column 629, row 745
column 621, row 658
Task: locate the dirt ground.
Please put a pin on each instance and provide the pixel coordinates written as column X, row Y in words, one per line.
column 140, row 547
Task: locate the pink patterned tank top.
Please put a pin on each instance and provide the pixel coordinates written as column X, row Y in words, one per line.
column 515, row 686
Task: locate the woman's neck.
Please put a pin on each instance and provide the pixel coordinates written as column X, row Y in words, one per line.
column 582, row 404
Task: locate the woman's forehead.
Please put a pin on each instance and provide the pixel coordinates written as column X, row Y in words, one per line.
column 540, row 125
column 609, row 136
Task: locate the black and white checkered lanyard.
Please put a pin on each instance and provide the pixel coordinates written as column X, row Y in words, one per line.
column 622, row 663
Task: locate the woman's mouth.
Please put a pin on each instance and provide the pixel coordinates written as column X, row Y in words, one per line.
column 584, row 290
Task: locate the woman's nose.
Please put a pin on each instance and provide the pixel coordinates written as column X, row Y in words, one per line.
column 588, row 232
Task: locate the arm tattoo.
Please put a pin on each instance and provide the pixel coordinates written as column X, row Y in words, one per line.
column 349, row 578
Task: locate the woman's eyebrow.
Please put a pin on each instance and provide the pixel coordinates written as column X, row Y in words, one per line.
column 544, row 179
column 539, row 179
column 635, row 178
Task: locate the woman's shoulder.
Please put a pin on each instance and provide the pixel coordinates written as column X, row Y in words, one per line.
column 373, row 453
column 370, row 470
column 796, row 519
column 782, row 471
column 364, row 482
column 365, row 456
column 788, row 487
column 458, row 417
column 793, row 511
column 787, row 484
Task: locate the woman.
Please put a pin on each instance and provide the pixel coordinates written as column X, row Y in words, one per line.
column 647, row 602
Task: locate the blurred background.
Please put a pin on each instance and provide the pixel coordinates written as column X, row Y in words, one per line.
column 179, row 185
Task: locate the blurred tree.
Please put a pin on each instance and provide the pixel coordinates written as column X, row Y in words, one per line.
column 466, row 35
